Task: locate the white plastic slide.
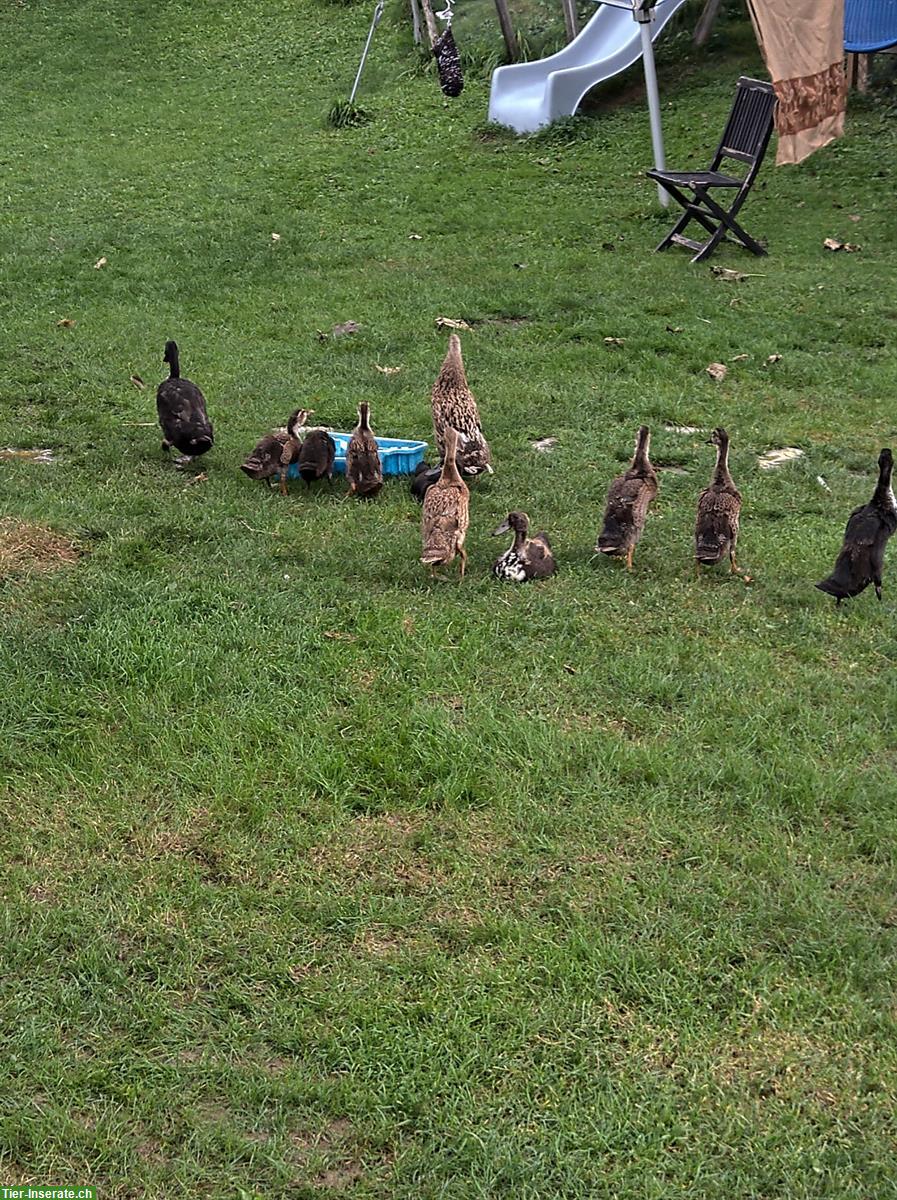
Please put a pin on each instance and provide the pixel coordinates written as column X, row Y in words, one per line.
column 527, row 96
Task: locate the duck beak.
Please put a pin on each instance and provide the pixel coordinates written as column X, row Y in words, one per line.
column 504, row 527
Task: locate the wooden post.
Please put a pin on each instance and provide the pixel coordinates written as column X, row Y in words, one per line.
column 415, row 17
column 507, row 30
column 432, row 27
column 570, row 23
column 706, row 21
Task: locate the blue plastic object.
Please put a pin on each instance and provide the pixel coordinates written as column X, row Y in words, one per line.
column 398, row 456
column 869, row 25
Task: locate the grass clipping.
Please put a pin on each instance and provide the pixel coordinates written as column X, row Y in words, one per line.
column 25, row 548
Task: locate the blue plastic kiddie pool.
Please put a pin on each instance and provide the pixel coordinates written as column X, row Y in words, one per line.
column 398, row 456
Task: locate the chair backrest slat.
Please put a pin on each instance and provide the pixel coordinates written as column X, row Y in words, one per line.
column 749, row 125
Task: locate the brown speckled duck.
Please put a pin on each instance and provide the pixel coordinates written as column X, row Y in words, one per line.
column 628, row 499
column 274, row 453
column 719, row 508
column 364, row 471
column 446, row 515
column 454, row 405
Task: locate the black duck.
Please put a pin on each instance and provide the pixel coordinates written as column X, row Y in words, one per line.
column 863, row 552
column 182, row 411
column 628, row 499
column 527, row 558
column 316, row 456
column 719, row 509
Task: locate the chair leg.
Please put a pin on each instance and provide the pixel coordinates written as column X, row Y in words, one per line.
column 710, row 245
column 730, row 224
column 677, row 228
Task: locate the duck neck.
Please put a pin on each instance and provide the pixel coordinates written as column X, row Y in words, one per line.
column 721, row 476
column 640, row 459
column 454, row 363
column 519, row 539
column 449, row 465
column 364, row 423
column 883, row 493
column 174, row 364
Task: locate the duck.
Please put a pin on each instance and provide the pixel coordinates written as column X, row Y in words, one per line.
column 527, row 558
column 446, row 514
column 364, row 470
column 182, row 411
column 628, row 499
column 425, row 476
column 862, row 555
column 454, row 405
column 316, row 455
column 719, row 508
column 274, row 453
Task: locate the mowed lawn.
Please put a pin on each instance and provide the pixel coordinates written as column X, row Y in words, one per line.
column 321, row 878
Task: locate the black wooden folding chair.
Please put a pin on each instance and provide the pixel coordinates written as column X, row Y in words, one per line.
column 745, row 139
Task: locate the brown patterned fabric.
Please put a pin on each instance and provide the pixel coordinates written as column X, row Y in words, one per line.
column 804, row 102
column 803, row 45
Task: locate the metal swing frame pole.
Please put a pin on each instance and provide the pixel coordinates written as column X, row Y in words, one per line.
column 644, row 15
column 378, row 13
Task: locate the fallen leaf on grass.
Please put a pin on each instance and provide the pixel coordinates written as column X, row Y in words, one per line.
column 615, row 341
column 66, row 323
column 346, row 327
column 138, row 382
column 717, row 371
column 415, row 237
column 847, row 247
column 854, row 217
column 521, row 266
column 674, row 328
column 201, row 478
column 822, row 483
column 741, row 357
column 778, row 458
column 544, row 445
column 773, row 358
column 387, row 370
column 101, row 262
column 451, row 323
column 337, row 635
column 40, row 455
column 736, row 276
column 275, row 237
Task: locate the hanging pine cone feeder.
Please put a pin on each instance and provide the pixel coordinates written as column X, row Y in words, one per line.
column 448, row 64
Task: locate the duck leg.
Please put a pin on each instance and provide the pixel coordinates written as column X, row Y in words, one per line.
column 734, row 568
column 166, row 444
column 463, row 555
column 876, row 583
column 283, row 483
column 629, row 554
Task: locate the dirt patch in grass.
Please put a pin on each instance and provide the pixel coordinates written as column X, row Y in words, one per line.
column 779, row 1064
column 25, row 547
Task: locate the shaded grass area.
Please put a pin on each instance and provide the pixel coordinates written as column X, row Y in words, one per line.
column 321, row 878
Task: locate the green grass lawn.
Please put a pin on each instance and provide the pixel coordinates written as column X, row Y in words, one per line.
column 322, row 878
